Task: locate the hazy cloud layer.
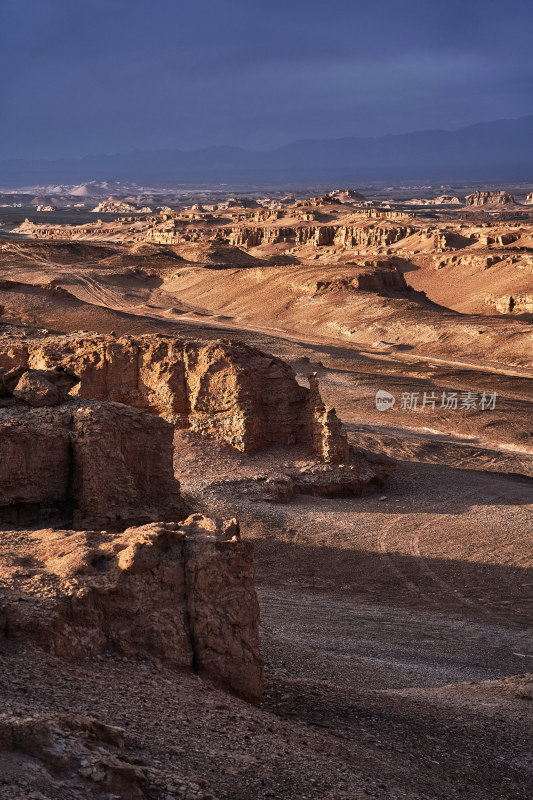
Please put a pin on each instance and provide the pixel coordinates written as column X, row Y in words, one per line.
column 81, row 77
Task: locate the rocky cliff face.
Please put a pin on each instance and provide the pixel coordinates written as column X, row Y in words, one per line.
column 180, row 593
column 35, row 462
column 122, row 466
column 374, row 235
column 352, row 236
column 257, row 236
column 228, row 390
column 100, row 464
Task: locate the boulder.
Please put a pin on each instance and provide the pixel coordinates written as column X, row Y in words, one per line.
column 35, row 387
column 9, row 379
column 36, row 390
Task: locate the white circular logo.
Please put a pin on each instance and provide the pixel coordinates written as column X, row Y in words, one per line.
column 384, row 400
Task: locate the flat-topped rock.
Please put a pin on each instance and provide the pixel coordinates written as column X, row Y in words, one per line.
column 179, row 592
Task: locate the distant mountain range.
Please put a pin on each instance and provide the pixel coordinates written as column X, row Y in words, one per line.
column 500, row 150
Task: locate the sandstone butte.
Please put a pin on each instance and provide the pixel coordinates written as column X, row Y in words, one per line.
column 224, row 389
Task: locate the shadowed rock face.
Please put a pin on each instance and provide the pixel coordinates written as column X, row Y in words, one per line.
column 40, row 388
column 35, row 461
column 36, row 390
column 55, row 752
column 50, row 755
column 99, row 463
column 9, row 379
column 224, row 389
column 182, row 593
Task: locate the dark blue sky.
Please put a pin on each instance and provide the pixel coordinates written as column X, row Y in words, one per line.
column 104, row 76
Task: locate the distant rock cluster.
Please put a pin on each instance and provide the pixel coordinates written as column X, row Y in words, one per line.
column 480, row 198
column 111, row 206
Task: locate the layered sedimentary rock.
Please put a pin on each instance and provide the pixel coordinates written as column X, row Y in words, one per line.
column 182, row 593
column 257, row 236
column 320, row 235
column 349, row 236
column 480, row 198
column 224, row 389
column 99, row 464
column 374, row 235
